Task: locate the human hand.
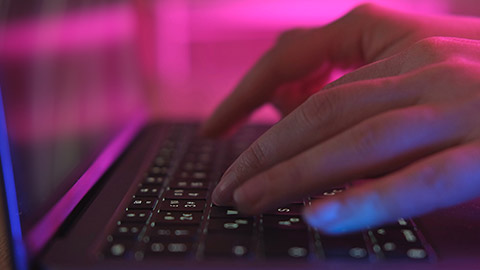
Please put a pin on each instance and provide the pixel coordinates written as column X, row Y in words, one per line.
column 410, row 118
column 303, row 60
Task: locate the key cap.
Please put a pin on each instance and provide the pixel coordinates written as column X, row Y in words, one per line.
column 172, row 233
column 392, row 251
column 329, row 193
column 162, row 161
column 288, row 210
column 148, row 191
column 226, row 212
column 227, row 246
column 157, row 171
column 194, row 166
column 146, row 203
column 135, row 216
column 186, row 194
column 182, row 205
column 400, row 243
column 150, row 181
column 194, row 176
column 127, row 231
column 169, row 249
column 179, row 218
column 397, row 235
column 284, row 222
column 118, row 249
column 350, row 246
column 230, row 225
column 188, row 184
column 286, row 244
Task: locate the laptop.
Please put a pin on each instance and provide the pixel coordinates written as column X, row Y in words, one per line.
column 89, row 181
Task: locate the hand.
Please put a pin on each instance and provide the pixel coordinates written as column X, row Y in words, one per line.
column 409, row 122
column 303, row 60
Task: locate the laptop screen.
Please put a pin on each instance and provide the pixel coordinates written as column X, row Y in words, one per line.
column 70, row 85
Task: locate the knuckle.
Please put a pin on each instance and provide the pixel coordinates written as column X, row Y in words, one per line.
column 322, row 105
column 255, row 156
column 430, row 49
column 365, row 9
column 289, row 35
column 368, row 136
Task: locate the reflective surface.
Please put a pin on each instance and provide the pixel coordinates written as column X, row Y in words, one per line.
column 70, row 84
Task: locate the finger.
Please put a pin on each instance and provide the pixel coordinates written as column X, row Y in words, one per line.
column 288, row 97
column 374, row 147
column 444, row 179
column 291, row 59
column 324, row 115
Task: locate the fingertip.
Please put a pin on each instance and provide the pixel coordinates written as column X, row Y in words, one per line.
column 321, row 215
column 243, row 203
column 209, row 129
column 218, row 196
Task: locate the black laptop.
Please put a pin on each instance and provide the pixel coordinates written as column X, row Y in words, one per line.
column 89, row 181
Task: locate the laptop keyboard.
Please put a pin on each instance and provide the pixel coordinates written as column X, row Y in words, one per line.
column 171, row 215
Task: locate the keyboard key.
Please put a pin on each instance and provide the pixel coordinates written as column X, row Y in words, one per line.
column 400, row 242
column 398, row 235
column 188, row 184
column 286, row 244
column 147, row 203
column 284, row 223
column 127, row 231
column 195, row 166
column 392, row 251
column 328, row 193
column 150, row 180
column 350, row 246
column 226, row 212
column 158, row 171
column 185, row 218
column 118, row 249
column 230, row 225
column 162, row 161
column 135, row 216
column 163, row 232
column 289, row 210
column 182, row 205
column 186, row 194
column 195, row 175
column 227, row 245
column 148, row 191
column 169, row 249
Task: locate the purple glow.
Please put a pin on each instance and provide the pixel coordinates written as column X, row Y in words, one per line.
column 53, row 35
column 201, row 49
column 48, row 225
column 204, row 48
column 18, row 251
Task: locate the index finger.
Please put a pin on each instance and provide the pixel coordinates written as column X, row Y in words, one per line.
column 297, row 54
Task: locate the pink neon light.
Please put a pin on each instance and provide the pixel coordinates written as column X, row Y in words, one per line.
column 234, row 19
column 73, row 31
column 45, row 228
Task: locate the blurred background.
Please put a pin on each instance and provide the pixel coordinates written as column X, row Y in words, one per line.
column 172, row 57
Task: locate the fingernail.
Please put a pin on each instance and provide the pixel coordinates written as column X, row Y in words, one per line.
column 223, row 192
column 322, row 215
column 248, row 195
